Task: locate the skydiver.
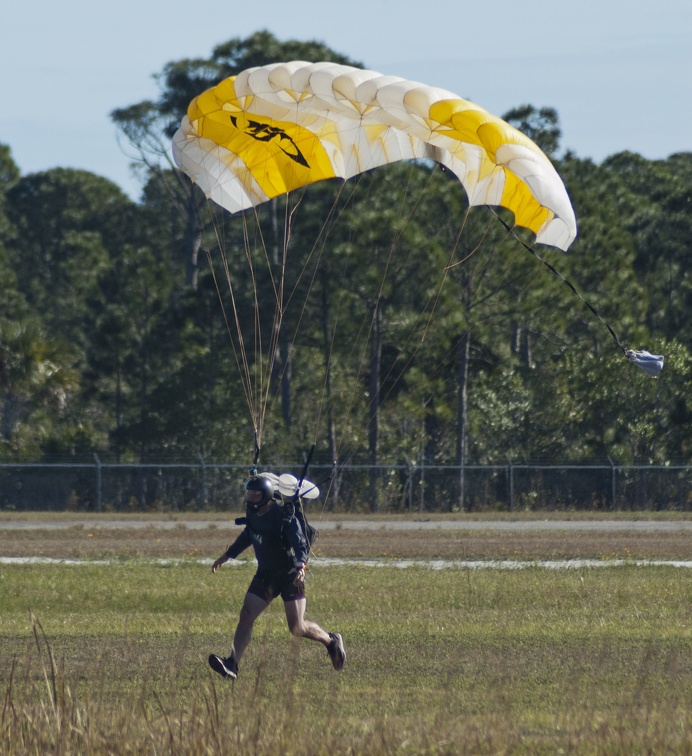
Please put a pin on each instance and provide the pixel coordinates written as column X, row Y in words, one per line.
column 280, row 572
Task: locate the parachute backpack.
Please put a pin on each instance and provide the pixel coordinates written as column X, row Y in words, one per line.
column 296, row 490
column 293, row 507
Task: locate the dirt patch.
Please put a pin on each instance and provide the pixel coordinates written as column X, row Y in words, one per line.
column 92, row 543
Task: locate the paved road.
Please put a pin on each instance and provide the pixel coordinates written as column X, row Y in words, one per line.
column 644, row 526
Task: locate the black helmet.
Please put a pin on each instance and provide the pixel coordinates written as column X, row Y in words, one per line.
column 258, row 492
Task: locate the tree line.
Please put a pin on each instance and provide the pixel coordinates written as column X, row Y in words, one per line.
column 412, row 326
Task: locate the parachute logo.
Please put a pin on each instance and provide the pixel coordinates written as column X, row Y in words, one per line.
column 263, row 132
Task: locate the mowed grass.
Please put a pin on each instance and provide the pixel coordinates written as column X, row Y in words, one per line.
column 112, row 659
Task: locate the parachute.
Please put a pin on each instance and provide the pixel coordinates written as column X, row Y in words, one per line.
column 276, row 128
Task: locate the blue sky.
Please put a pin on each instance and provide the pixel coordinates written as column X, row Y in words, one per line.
column 620, row 76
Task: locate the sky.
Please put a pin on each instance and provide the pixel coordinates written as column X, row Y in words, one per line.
column 619, row 75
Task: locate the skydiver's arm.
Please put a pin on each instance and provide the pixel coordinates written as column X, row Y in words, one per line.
column 298, row 541
column 242, row 542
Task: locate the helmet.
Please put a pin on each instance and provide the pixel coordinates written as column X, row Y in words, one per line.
column 258, row 492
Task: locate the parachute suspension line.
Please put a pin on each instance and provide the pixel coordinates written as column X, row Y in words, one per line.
column 255, row 370
column 445, row 272
column 330, row 331
column 435, row 299
column 279, row 307
column 277, row 258
column 255, row 459
column 318, row 247
column 239, row 352
column 405, row 216
column 332, row 218
column 556, row 272
column 485, row 264
column 331, row 221
column 264, row 371
column 451, row 266
column 480, row 243
column 256, row 367
column 319, row 243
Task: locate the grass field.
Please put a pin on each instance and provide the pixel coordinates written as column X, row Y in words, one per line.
column 111, row 658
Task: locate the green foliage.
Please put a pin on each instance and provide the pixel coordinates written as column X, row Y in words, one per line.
column 9, row 171
column 37, row 384
column 541, row 125
column 658, row 215
column 68, row 224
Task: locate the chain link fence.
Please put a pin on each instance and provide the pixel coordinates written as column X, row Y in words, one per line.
column 113, row 487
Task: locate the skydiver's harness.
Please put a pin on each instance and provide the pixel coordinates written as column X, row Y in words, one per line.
column 293, row 508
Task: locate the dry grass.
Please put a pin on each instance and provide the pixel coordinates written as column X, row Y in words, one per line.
column 181, row 541
column 452, row 662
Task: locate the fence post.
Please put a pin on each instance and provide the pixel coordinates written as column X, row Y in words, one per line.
column 409, row 474
column 421, row 500
column 510, row 467
column 203, row 477
column 99, row 507
column 613, row 490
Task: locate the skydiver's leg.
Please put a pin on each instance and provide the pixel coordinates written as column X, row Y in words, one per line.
column 252, row 607
column 302, row 628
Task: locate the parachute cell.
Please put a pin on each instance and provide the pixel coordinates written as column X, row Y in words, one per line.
column 277, row 128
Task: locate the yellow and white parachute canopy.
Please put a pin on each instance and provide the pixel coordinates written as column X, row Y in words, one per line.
column 276, row 128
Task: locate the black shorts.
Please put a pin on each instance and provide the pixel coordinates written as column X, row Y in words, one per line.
column 269, row 585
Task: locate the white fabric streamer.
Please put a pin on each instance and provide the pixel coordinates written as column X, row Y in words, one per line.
column 651, row 364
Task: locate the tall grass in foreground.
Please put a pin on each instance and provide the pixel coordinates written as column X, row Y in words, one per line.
column 113, row 660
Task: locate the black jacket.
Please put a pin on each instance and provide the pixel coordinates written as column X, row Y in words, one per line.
column 271, row 540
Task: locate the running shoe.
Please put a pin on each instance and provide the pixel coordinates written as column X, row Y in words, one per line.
column 336, row 651
column 225, row 667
